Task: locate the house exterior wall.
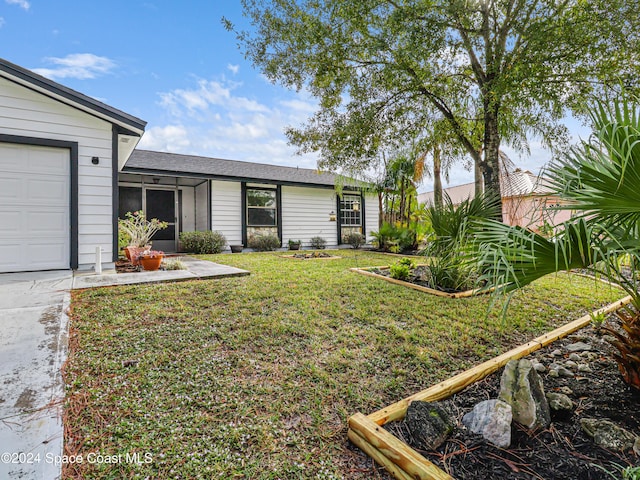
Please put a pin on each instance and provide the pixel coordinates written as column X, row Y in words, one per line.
column 201, row 199
column 26, row 113
column 226, row 210
column 305, row 214
column 533, row 211
column 371, row 215
column 188, row 220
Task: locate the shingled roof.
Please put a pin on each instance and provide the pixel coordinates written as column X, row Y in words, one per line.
column 145, row 161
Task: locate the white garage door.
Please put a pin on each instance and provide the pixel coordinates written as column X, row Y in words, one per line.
column 34, row 208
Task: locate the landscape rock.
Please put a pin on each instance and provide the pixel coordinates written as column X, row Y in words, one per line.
column 566, row 390
column 492, row 420
column 570, row 364
column 607, row 434
column 539, row 367
column 429, row 424
column 556, row 353
column 559, row 402
column 553, row 373
column 579, row 347
column 561, row 370
column 575, row 357
column 584, row 368
column 521, row 387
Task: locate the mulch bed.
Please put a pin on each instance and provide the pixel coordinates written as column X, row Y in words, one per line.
column 417, row 277
column 125, row 266
column 562, row 451
column 308, row 256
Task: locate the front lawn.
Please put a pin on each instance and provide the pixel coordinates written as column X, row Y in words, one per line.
column 255, row 377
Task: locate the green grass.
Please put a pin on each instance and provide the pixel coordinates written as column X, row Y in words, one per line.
column 255, row 377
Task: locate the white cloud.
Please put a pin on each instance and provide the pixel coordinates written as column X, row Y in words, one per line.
column 21, row 3
column 77, row 65
column 171, row 138
column 214, row 118
column 233, row 68
column 2, row 22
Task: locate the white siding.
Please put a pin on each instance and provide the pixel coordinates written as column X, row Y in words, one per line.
column 201, row 207
column 226, row 210
column 371, row 215
column 305, row 214
column 24, row 112
column 188, row 209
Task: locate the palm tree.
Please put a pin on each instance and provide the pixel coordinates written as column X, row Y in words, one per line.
column 601, row 179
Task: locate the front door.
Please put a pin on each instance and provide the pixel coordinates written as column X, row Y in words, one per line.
column 161, row 204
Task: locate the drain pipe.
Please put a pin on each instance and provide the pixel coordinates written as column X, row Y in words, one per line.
column 98, row 267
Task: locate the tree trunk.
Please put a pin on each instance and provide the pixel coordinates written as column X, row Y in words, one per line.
column 437, row 179
column 477, row 176
column 491, row 164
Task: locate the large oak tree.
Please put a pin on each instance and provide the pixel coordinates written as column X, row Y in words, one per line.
column 385, row 70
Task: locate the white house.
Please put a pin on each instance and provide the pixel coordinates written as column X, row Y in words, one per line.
column 69, row 168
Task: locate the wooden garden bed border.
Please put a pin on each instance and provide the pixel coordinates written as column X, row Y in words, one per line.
column 465, row 294
column 398, row 458
column 334, row 257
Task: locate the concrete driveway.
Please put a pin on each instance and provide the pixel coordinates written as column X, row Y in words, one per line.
column 33, row 345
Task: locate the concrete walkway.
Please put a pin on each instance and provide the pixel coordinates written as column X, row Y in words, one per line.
column 33, row 347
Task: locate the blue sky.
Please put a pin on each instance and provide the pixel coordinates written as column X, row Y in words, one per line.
column 172, row 64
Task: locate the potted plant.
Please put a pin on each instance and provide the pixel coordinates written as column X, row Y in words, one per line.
column 295, row 244
column 139, row 230
column 236, row 248
column 151, row 259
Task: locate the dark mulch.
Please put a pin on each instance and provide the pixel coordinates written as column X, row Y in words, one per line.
column 418, row 276
column 562, row 451
column 124, row 266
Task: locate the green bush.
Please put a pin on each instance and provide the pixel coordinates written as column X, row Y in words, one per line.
column 203, row 242
column 124, row 240
column 264, row 243
column 355, row 239
column 408, row 262
column 399, row 271
column 318, row 243
column 395, row 238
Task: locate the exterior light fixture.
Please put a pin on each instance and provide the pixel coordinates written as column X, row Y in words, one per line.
column 356, row 206
column 95, row 160
column 332, row 216
column 156, row 180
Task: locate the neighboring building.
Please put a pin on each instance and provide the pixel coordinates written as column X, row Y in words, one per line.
column 68, row 169
column 526, row 200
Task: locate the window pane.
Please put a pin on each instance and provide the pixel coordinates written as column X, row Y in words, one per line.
column 261, row 198
column 130, row 199
column 261, row 216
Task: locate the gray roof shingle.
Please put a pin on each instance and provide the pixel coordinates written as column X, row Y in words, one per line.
column 145, row 160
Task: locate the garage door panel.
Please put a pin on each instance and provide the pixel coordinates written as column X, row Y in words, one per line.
column 35, row 185
column 48, row 191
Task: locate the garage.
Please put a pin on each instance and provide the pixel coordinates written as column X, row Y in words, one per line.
column 35, row 207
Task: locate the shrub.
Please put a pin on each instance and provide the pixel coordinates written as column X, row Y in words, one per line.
column 408, row 262
column 124, row 240
column 395, row 238
column 203, row 242
column 318, row 243
column 174, row 264
column 139, row 229
column 264, row 243
column 399, row 271
column 355, row 239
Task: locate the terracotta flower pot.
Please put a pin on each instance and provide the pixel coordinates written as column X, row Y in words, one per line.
column 133, row 253
column 151, row 264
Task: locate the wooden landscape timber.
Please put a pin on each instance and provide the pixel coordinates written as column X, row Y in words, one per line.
column 398, row 458
column 439, row 293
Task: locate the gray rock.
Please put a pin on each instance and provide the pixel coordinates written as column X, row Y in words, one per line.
column 554, row 373
column 492, row 420
column 570, row 364
column 582, row 379
column 521, row 387
column 539, row 367
column 607, row 434
column 566, row 390
column 579, row 347
column 559, row 402
column 565, row 372
column 575, row 357
column 429, row 424
column 584, row 368
column 556, row 353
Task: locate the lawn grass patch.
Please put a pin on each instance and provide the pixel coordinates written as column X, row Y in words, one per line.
column 255, row 377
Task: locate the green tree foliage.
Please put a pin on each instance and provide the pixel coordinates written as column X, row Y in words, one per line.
column 384, row 71
column 601, row 179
